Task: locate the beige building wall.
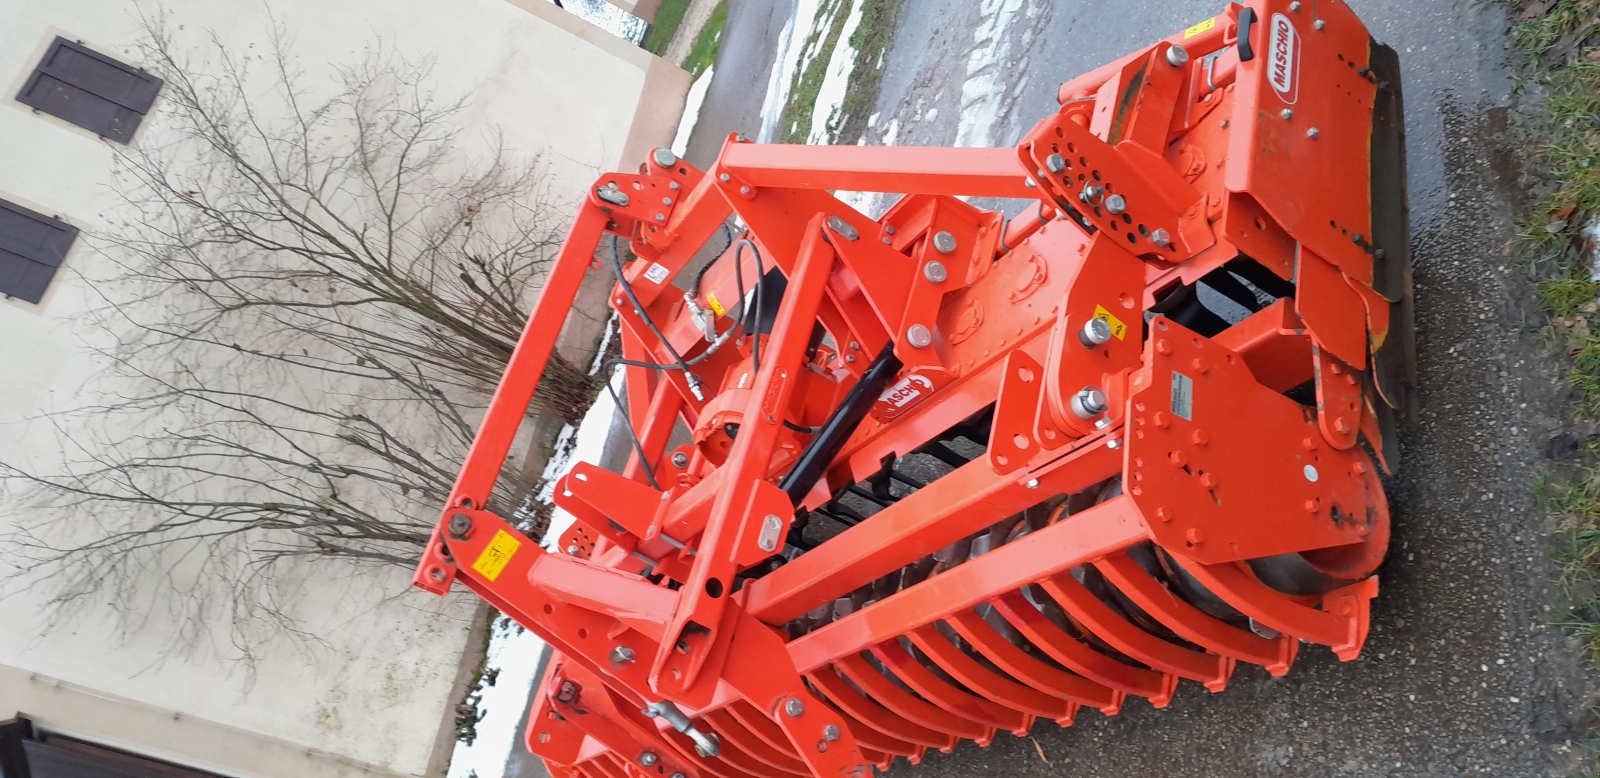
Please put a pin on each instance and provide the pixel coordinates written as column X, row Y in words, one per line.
column 371, row 698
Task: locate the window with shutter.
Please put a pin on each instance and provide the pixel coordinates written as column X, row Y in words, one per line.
column 32, row 247
column 91, row 90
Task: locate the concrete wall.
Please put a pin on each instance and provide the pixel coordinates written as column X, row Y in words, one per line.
column 373, row 693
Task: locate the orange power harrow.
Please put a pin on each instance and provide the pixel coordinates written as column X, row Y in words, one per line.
column 949, row 473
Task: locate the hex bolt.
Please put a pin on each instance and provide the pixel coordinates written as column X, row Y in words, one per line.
column 460, row 525
column 661, row 217
column 672, row 185
column 1287, row 113
column 1320, row 24
column 666, row 201
column 622, row 654
column 744, row 190
column 1089, row 402
column 1033, row 483
column 850, row 357
column 919, row 336
column 724, row 178
column 1114, row 443
column 1177, row 56
column 1055, row 163
column 1091, row 193
column 794, row 707
column 1294, row 6
column 1313, row 133
column 1028, row 182
column 934, row 271
column 1102, row 424
column 1095, row 332
column 648, row 758
column 831, row 732
column 568, row 692
column 854, row 346
column 1116, row 204
column 1161, row 237
column 944, row 242
column 572, row 550
column 436, row 574
column 664, row 157
column 680, row 459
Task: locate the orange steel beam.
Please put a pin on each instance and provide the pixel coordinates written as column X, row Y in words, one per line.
column 960, row 171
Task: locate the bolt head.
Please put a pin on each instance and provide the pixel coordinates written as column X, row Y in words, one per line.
column 664, row 157
column 1313, row 133
column 680, row 459
column 661, row 217
column 831, row 732
column 460, row 524
column 794, row 707
column 1311, row 473
column 1116, row 443
column 919, row 336
column 1116, row 203
column 850, row 357
column 666, row 201
column 1294, row 6
column 1161, row 237
column 1102, row 424
column 1089, row 402
column 436, row 574
column 1287, row 113
column 744, row 190
column 1029, row 183
column 572, row 550
column 724, row 178
column 1177, row 56
column 1055, row 163
column 647, row 758
column 1195, row 536
column 1096, row 331
column 934, row 271
column 622, row 654
column 1033, row 483
column 944, row 242
column 1320, row 24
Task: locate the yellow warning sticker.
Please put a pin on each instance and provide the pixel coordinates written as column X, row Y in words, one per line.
column 716, row 305
column 1117, row 327
column 497, row 555
column 1199, row 28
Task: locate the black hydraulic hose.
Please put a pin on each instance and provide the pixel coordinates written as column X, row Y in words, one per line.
column 841, row 424
column 616, row 264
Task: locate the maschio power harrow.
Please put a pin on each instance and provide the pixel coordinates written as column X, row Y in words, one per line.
column 951, row 473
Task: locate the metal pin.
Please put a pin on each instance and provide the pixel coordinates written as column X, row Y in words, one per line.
column 934, row 271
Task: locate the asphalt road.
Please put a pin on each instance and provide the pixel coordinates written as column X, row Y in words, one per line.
column 1463, row 673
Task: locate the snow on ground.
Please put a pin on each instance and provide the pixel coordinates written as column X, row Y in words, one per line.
column 513, row 651
column 691, row 114
column 790, row 50
column 830, row 96
column 985, row 92
column 609, row 18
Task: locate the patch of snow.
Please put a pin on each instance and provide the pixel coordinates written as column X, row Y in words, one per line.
column 872, row 121
column 791, row 45
column 514, row 654
column 984, row 93
column 933, row 113
column 836, row 81
column 680, row 143
column 891, row 132
column 610, row 18
column 1591, row 250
